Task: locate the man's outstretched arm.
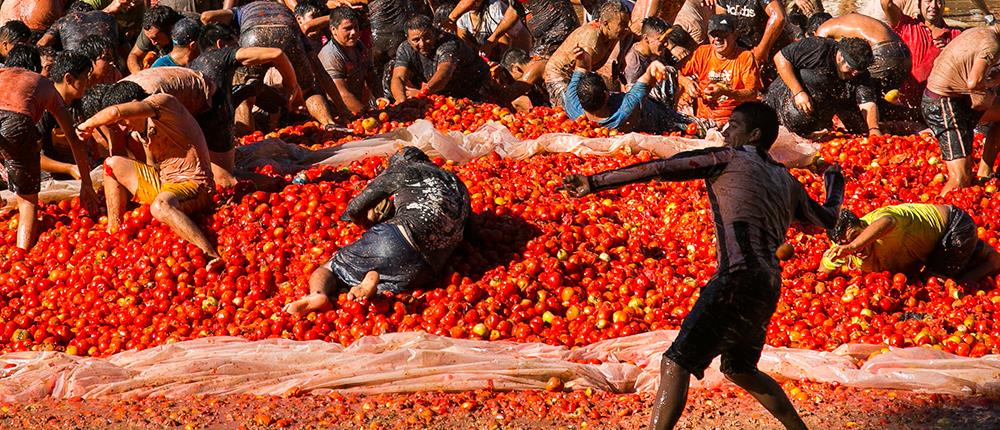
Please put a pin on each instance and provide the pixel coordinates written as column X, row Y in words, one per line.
column 824, row 215
column 698, row 164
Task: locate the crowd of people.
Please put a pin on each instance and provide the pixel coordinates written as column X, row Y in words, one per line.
column 158, row 92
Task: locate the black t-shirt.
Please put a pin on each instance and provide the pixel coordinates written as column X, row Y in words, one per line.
column 218, row 66
column 389, row 16
column 751, row 19
column 470, row 70
column 819, row 56
column 549, row 21
column 261, row 12
column 71, row 29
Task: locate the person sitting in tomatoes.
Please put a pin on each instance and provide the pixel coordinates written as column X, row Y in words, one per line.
column 904, row 238
column 419, row 211
column 588, row 95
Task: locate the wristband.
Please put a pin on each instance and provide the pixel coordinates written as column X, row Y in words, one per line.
column 797, row 94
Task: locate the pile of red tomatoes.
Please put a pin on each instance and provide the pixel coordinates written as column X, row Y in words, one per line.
column 536, row 266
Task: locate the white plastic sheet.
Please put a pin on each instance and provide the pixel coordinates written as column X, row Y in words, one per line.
column 417, row 361
column 789, row 149
column 54, row 190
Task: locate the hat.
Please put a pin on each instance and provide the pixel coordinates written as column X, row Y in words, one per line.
column 724, row 22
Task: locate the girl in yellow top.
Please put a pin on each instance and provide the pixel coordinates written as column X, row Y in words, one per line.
column 907, row 237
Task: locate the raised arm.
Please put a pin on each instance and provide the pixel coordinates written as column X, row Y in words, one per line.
column 462, row 7
column 893, row 14
column 775, row 25
column 824, row 215
column 88, row 198
column 220, row 16
column 697, row 164
column 116, row 113
column 510, row 17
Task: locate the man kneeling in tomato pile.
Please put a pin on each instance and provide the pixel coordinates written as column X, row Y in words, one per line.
column 754, row 199
column 905, row 238
column 181, row 184
column 404, row 249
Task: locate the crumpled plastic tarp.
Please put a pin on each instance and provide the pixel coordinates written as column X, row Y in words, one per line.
column 53, row 190
column 789, row 149
column 418, row 361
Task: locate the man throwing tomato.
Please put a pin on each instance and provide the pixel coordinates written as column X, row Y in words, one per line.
column 403, row 249
column 754, row 199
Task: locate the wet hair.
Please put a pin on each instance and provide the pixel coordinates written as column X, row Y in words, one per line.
column 817, row 19
column 419, row 23
column 95, row 46
column 761, row 117
column 122, row 92
column 514, row 56
column 72, row 63
column 680, row 37
column 442, row 13
column 795, row 26
column 15, row 32
column 611, row 10
column 340, row 14
column 409, row 154
column 212, row 34
column 79, row 6
column 846, row 221
column 185, row 31
column 592, row 91
column 161, row 17
column 46, row 52
column 859, row 52
column 316, row 8
column 93, row 100
column 654, row 25
column 24, row 56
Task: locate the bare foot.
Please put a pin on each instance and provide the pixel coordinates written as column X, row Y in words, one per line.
column 309, row 303
column 365, row 289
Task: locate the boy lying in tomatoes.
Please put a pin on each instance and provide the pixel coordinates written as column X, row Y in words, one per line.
column 404, row 251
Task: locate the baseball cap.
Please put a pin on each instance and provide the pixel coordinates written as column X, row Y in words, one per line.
column 725, row 23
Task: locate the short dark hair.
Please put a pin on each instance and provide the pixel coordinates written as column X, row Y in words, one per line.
column 817, row 19
column 761, row 117
column 340, row 14
column 79, row 6
column 122, row 92
column 95, row 46
column 93, row 100
column 858, row 50
column 15, row 32
column 419, row 22
column 610, row 10
column 72, row 63
column 654, row 25
column 185, row 31
column 24, row 56
column 846, row 221
column 212, row 34
column 680, row 37
column 46, row 52
column 514, row 56
column 161, row 17
column 442, row 13
column 592, row 91
column 305, row 7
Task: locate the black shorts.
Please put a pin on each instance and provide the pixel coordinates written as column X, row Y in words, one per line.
column 384, row 249
column 959, row 246
column 953, row 122
column 293, row 44
column 20, row 148
column 730, row 319
column 217, row 125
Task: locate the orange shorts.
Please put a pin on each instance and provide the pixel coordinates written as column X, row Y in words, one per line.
column 192, row 196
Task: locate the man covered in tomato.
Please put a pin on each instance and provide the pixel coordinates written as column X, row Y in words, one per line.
column 420, row 212
column 436, row 62
column 721, row 75
column 905, row 238
column 598, row 39
column 754, row 199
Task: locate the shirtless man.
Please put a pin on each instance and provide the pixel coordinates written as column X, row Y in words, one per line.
column 182, row 182
column 891, row 63
column 13, row 33
column 37, row 14
column 597, row 38
column 401, row 251
column 265, row 24
column 81, row 21
column 70, row 73
column 671, row 13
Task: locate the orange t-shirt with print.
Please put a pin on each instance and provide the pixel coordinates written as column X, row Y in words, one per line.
column 740, row 73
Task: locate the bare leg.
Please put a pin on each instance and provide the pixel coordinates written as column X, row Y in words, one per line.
column 244, row 117
column 322, row 285
column 671, row 396
column 319, row 109
column 27, row 209
column 166, row 209
column 366, row 288
column 223, row 165
column 770, row 395
column 115, row 186
column 991, row 146
column 959, row 174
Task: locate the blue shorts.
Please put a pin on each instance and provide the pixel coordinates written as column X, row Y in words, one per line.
column 384, row 249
